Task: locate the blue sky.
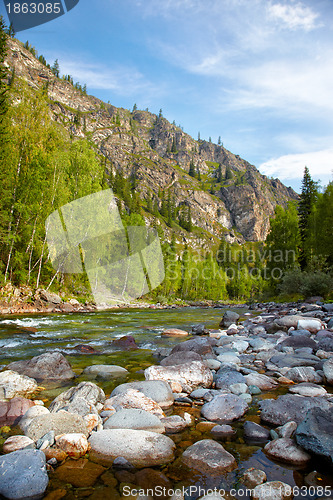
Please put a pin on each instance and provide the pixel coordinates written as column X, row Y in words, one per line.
column 258, row 73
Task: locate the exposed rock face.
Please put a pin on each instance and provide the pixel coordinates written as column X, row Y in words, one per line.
column 243, row 202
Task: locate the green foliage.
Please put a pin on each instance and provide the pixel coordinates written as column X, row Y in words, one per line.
column 191, row 171
column 306, row 283
column 306, row 205
column 228, row 173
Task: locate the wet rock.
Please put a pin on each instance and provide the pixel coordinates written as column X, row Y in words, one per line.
column 315, row 433
column 82, row 399
column 199, row 329
column 255, row 432
column 15, row 443
column 80, row 473
column 12, row 411
column 133, row 418
column 254, row 390
column 127, row 342
column 200, row 345
column 209, row 457
column 74, row 444
column 54, row 453
column 272, row 490
column 286, row 430
column 30, row 414
column 140, row 448
column 61, row 422
column 308, row 389
column 174, row 423
column 302, row 374
column 175, row 332
column 46, row 441
column 229, row 317
column 328, row 370
column 133, row 398
column 223, row 431
column 286, row 450
column 105, row 371
column 14, row 384
column 157, row 390
column 189, row 375
column 253, row 477
column 85, row 349
column 264, row 382
column 179, row 358
column 224, row 408
column 150, row 479
column 23, row 474
column 50, row 366
column 238, row 389
column 289, row 407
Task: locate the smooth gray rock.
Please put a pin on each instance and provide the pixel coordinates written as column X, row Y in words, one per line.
column 302, row 333
column 23, row 474
column 328, row 370
column 133, row 418
column 286, row 430
column 189, row 375
column 286, row 450
column 140, row 448
column 229, row 318
column 297, row 342
column 209, row 457
column 225, row 378
column 286, row 322
column 157, row 390
column 223, row 431
column 224, row 408
column 326, row 344
column 14, row 384
column 262, row 381
column 200, row 345
column 289, row 407
column 61, row 422
column 308, row 389
column 179, row 358
column 255, row 432
column 292, row 360
column 301, row 374
column 315, row 433
column 82, row 399
column 174, row 423
column 50, row 366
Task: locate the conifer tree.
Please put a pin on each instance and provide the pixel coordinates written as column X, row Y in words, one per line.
column 173, row 147
column 219, row 173
column 306, row 204
column 191, row 171
column 55, row 68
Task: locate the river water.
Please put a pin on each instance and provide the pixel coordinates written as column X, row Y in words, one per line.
column 64, row 332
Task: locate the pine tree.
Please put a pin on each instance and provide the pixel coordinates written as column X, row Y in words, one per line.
column 198, row 174
column 55, row 68
column 173, row 147
column 160, row 114
column 219, row 173
column 219, row 142
column 228, row 173
column 191, row 171
column 134, row 108
column 307, row 201
column 198, row 136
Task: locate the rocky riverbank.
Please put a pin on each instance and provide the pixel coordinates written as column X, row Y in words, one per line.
column 270, row 374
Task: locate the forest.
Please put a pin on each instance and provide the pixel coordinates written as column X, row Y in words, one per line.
column 43, row 167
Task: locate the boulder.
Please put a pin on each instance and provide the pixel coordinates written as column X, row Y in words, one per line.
column 297, row 342
column 286, row 430
column 132, row 418
column 82, row 399
column 223, row 431
column 30, row 414
column 313, row 325
column 292, row 360
column 289, row 321
column 15, row 443
column 226, row 377
column 74, row 444
column 12, row 411
column 199, row 329
column 315, row 433
column 179, row 358
column 157, row 390
column 289, row 407
column 229, row 317
column 127, row 343
column 14, row 384
column 209, row 457
column 140, row 448
column 273, row 490
column 189, row 375
column 224, row 408
column 105, row 371
column 200, row 345
column 61, row 423
column 286, row 450
column 308, row 389
column 328, row 370
column 175, row 332
column 255, row 432
column 174, row 423
column 133, row 398
column 326, row 344
column 51, row 298
column 50, row 366
column 23, row 474
column 302, row 374
column 253, row 477
column 264, row 382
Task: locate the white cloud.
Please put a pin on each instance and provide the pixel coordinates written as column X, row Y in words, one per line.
column 320, row 164
column 293, row 16
column 120, row 80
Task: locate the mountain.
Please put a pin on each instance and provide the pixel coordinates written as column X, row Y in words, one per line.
column 228, row 197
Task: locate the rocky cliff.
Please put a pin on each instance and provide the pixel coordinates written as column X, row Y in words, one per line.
column 228, row 197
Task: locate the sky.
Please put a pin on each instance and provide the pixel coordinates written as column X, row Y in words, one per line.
column 257, row 73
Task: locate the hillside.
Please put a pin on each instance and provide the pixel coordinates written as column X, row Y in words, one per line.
column 230, row 199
